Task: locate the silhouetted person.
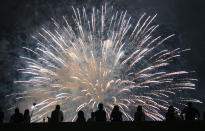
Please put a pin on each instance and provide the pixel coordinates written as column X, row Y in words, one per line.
column 171, row 115
column 204, row 115
column 100, row 114
column 1, row 116
column 92, row 118
column 17, row 117
column 27, row 118
column 139, row 115
column 190, row 112
column 81, row 118
column 116, row 114
column 56, row 115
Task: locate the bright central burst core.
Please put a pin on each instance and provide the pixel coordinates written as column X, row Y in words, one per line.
column 102, row 57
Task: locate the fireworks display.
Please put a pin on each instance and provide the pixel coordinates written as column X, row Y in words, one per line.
column 102, row 57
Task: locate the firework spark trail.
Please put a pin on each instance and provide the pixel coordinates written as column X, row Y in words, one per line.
column 102, row 59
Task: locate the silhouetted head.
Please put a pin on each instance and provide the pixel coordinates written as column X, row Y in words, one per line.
column 100, row 106
column 26, row 112
column 80, row 114
column 34, row 104
column 171, row 109
column 92, row 114
column 16, row 110
column 57, row 107
column 189, row 104
column 139, row 108
column 116, row 108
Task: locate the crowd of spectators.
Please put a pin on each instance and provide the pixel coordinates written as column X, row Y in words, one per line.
column 188, row 113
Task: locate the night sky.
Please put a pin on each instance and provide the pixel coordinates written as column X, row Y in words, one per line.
column 20, row 18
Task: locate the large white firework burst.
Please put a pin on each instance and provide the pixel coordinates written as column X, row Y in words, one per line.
column 102, row 57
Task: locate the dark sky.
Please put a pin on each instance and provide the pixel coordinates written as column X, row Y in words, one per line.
column 185, row 18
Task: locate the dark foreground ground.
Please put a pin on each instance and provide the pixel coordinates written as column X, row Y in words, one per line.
column 126, row 126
